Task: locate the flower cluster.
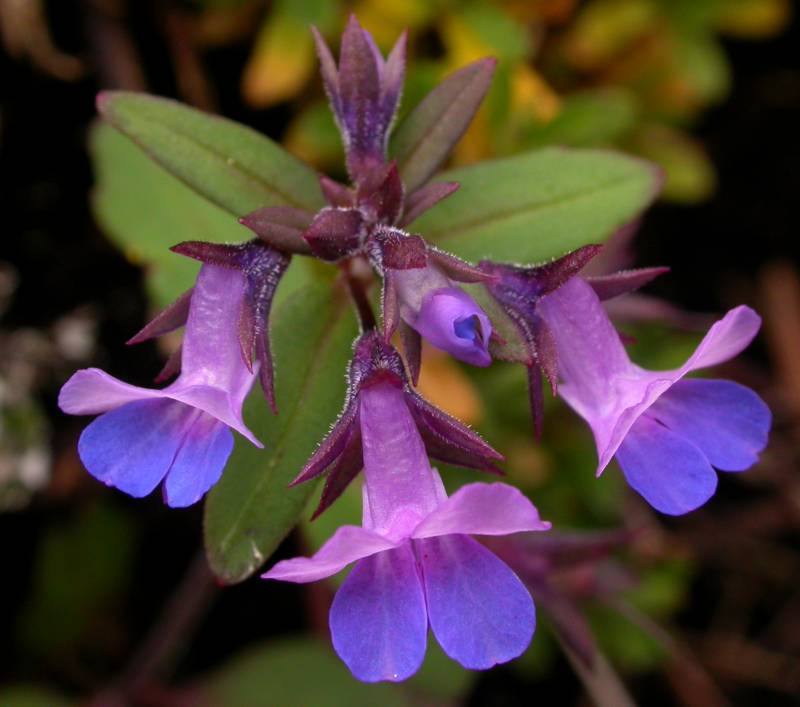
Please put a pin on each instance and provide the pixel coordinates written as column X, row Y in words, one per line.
column 416, row 563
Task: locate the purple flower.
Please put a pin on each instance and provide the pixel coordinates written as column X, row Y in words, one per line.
column 341, row 452
column 668, row 433
column 181, row 434
column 364, row 92
column 443, row 314
column 415, row 562
column 419, row 289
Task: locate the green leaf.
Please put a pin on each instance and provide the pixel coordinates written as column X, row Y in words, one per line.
column 251, row 510
column 277, row 673
column 229, row 164
column 144, row 210
column 427, row 134
column 31, row 696
column 591, row 118
column 59, row 615
column 295, row 672
column 539, row 205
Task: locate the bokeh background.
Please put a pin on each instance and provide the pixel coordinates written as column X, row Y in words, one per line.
column 108, row 601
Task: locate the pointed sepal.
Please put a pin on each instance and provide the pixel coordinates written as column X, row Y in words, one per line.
column 380, row 197
column 429, row 132
column 172, row 317
column 280, row 227
column 607, row 287
column 335, row 193
column 449, row 440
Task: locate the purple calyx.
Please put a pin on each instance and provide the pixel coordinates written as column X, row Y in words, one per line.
column 262, row 268
column 518, row 290
column 340, row 454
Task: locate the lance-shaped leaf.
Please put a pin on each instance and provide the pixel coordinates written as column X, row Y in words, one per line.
column 539, row 205
column 143, row 210
column 229, row 164
column 251, row 510
column 424, row 138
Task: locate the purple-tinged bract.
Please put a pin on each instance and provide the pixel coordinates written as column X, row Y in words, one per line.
column 364, row 93
column 181, row 434
column 416, row 565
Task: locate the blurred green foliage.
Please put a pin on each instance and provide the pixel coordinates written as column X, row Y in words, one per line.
column 303, row 671
column 635, row 74
column 70, row 597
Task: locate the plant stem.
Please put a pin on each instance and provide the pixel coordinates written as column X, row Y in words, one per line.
column 161, row 646
column 356, row 285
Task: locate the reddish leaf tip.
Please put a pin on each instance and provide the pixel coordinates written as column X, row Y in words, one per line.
column 103, row 100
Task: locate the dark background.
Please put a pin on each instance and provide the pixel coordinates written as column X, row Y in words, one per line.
column 740, row 246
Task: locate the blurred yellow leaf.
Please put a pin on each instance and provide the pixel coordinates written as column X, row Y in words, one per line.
column 754, row 19
column 445, row 385
column 604, row 28
column 476, row 144
column 531, row 95
column 283, row 58
column 463, row 43
column 386, row 19
column 281, row 63
column 480, row 29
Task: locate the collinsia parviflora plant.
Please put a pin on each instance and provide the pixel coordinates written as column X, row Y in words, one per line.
column 416, row 562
